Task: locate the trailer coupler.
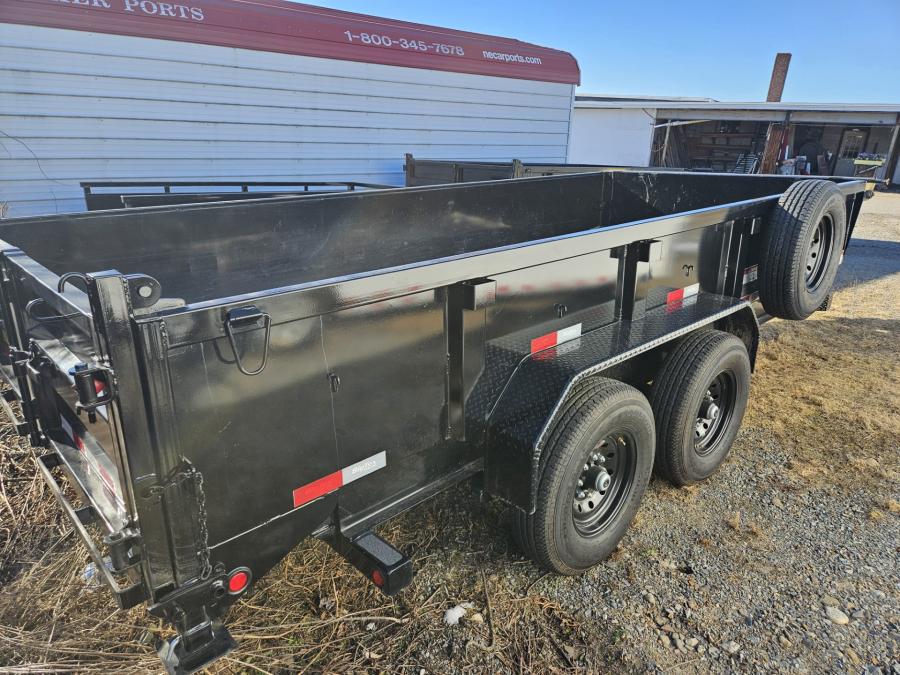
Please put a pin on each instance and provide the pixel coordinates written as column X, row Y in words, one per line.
column 382, row 564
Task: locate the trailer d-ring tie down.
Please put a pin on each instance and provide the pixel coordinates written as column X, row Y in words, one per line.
column 248, row 316
column 45, row 318
column 68, row 276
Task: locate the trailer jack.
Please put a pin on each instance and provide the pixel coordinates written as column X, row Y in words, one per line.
column 195, row 649
column 381, row 563
column 202, row 637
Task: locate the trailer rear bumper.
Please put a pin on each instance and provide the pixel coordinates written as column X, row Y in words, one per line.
column 386, row 567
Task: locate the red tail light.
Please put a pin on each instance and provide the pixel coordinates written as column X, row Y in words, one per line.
column 238, row 580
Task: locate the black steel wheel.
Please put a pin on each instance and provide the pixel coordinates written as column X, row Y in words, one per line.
column 802, row 247
column 602, row 487
column 699, row 398
column 598, row 461
column 820, row 249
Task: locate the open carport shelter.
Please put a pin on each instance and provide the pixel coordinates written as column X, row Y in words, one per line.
column 840, row 139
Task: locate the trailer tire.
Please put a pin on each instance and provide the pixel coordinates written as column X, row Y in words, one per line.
column 802, row 249
column 607, row 419
column 699, row 398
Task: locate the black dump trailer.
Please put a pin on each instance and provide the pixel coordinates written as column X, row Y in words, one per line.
column 218, row 382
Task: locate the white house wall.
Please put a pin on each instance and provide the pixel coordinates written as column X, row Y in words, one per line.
column 611, row 136
column 78, row 106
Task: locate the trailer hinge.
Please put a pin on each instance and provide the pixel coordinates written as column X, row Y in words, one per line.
column 124, row 548
column 28, row 425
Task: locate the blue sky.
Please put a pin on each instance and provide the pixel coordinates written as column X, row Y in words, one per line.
column 843, row 50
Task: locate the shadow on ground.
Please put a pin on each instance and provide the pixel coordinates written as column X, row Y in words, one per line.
column 868, row 260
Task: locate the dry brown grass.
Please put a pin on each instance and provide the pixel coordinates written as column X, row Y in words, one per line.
column 829, row 388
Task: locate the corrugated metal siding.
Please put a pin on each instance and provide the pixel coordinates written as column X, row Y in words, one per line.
column 85, row 106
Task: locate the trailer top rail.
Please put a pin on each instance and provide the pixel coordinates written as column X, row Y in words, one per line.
column 104, row 195
column 442, row 171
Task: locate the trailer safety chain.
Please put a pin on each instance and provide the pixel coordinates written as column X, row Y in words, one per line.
column 203, row 544
column 189, row 472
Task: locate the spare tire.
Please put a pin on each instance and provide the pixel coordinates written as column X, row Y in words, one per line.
column 802, row 248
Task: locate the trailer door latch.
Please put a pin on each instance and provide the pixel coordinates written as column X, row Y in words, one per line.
column 243, row 319
column 95, row 387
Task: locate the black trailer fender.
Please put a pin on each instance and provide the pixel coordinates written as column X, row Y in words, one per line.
column 743, row 324
column 532, row 400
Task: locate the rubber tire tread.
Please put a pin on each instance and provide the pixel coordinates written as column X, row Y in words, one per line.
column 775, row 250
column 523, row 533
column 780, row 262
column 580, row 407
column 677, row 375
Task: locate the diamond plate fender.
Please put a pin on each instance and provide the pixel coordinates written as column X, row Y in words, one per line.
column 524, row 413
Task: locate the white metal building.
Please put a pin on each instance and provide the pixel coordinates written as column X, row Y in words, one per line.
column 267, row 91
column 618, row 133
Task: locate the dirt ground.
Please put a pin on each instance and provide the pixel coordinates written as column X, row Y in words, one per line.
column 786, row 560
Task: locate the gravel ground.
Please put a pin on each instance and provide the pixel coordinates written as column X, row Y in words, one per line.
column 786, row 560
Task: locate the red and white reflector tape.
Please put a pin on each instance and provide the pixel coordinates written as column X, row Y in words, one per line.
column 682, row 293
column 327, row 484
column 555, row 338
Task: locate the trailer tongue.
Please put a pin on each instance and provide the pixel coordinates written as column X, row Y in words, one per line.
column 218, row 382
